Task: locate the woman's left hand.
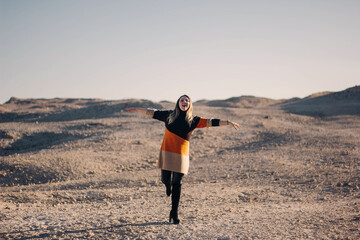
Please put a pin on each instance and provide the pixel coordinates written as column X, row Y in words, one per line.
column 234, row 125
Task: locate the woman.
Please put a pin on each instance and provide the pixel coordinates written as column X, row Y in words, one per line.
column 174, row 154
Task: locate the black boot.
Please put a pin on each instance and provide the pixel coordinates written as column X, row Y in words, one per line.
column 166, row 179
column 168, row 189
column 175, row 199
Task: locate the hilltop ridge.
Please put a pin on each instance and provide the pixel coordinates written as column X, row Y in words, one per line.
column 346, row 102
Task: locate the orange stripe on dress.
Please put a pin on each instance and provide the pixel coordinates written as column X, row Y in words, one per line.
column 175, row 144
column 202, row 123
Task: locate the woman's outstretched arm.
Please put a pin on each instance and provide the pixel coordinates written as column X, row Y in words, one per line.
column 145, row 111
column 227, row 122
column 203, row 122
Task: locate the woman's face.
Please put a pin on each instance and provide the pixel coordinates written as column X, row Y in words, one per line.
column 184, row 103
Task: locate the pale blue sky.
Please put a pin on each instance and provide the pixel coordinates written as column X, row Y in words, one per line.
column 158, row 50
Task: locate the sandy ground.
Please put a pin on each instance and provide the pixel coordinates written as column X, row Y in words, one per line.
column 81, row 168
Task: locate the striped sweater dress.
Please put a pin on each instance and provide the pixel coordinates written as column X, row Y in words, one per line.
column 174, row 153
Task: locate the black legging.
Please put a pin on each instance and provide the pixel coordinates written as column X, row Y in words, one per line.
column 166, row 178
column 173, row 188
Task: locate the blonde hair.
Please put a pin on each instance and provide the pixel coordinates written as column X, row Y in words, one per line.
column 175, row 114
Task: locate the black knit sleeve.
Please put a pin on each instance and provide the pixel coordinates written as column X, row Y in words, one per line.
column 161, row 115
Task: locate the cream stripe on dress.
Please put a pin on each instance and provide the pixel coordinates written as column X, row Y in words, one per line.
column 173, row 162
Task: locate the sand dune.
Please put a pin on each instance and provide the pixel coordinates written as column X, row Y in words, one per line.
column 345, row 102
column 240, row 102
column 84, row 168
column 52, row 110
